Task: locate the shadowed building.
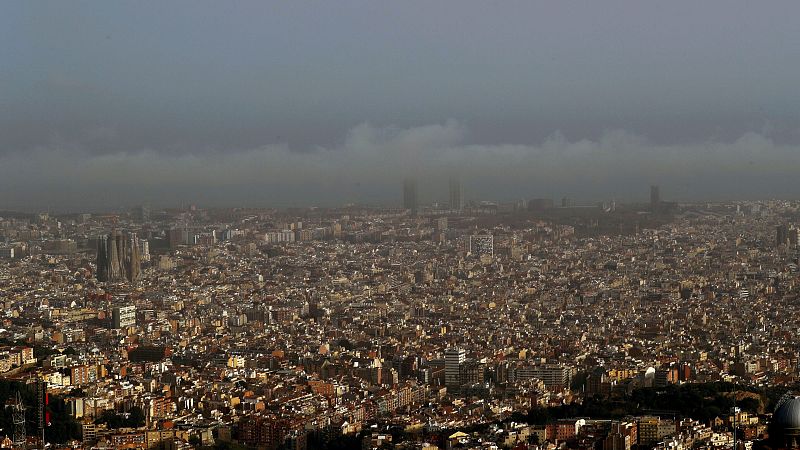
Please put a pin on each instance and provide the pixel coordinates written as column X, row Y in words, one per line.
column 410, row 195
column 782, row 236
column 655, row 196
column 456, row 203
column 540, row 204
column 141, row 213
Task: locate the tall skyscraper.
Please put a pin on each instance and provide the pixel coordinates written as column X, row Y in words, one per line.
column 410, row 195
column 455, row 194
column 453, row 358
column 141, row 213
column 655, row 196
column 118, row 257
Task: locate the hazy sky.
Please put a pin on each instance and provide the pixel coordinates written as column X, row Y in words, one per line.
column 275, row 103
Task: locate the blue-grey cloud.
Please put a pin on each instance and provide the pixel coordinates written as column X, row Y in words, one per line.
column 371, row 162
column 262, row 93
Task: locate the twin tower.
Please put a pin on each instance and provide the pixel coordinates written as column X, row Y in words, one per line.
column 118, row 257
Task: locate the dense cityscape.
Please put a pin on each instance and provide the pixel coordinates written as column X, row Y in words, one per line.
column 536, row 324
column 399, row 225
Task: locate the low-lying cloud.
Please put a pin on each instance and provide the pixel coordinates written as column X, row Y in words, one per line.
column 372, row 160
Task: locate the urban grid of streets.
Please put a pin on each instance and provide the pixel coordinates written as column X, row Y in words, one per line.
column 297, row 328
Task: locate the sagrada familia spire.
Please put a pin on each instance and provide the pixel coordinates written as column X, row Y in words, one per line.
column 118, row 257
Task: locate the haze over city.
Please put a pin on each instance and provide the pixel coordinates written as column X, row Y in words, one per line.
column 408, row 225
column 292, row 104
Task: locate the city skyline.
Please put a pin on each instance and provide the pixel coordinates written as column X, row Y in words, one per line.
column 416, row 225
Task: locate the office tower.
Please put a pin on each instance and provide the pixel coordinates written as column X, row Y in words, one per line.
column 540, row 204
column 144, row 249
column 141, row 213
column 655, row 196
column 781, row 235
column 455, row 194
column 410, row 195
column 178, row 236
column 566, row 202
column 118, row 257
column 453, row 358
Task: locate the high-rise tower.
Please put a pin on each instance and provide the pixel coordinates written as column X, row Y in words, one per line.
column 655, row 196
column 455, row 194
column 410, row 195
column 141, row 213
column 453, row 358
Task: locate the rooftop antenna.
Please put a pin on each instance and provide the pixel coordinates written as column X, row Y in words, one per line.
column 735, row 412
column 18, row 417
column 41, row 403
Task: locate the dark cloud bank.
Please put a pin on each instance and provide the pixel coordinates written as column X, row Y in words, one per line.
column 370, row 163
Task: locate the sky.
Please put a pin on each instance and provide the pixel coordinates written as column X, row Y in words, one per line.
column 275, row 103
